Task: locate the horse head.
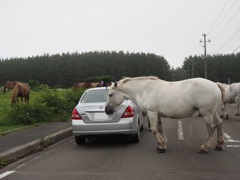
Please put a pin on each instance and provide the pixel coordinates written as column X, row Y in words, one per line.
column 114, row 99
column 6, row 86
column 4, row 89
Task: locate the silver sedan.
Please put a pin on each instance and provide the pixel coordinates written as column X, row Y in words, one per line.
column 89, row 118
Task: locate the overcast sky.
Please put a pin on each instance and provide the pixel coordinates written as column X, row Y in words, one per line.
column 170, row 28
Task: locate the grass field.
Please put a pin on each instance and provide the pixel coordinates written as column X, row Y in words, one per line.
column 6, row 127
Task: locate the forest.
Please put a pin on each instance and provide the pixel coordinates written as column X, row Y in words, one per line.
column 63, row 70
column 220, row 68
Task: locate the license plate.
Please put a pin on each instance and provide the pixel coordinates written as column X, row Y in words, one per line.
column 99, row 116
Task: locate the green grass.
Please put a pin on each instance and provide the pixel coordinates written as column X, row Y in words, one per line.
column 4, row 108
column 6, row 127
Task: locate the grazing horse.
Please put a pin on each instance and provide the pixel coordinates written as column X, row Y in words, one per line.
column 176, row 100
column 232, row 92
column 83, row 85
column 21, row 90
column 94, row 84
column 9, row 85
column 44, row 86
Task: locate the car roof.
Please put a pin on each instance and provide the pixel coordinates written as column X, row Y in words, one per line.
column 96, row 88
column 104, row 88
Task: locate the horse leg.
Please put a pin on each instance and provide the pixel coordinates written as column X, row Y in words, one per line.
column 238, row 109
column 222, row 108
column 238, row 114
column 27, row 100
column 160, row 129
column 220, row 138
column 145, row 116
column 153, row 119
column 224, row 112
column 210, row 128
column 237, row 101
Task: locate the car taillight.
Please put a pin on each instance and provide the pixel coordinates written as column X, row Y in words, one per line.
column 75, row 115
column 129, row 112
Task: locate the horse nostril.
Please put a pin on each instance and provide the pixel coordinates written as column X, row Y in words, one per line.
column 109, row 110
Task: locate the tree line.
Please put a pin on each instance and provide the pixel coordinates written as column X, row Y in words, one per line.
column 65, row 69
column 220, row 68
column 68, row 68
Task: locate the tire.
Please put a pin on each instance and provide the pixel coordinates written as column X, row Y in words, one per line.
column 80, row 140
column 136, row 137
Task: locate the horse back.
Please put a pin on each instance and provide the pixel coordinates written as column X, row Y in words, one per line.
column 196, row 91
column 22, row 89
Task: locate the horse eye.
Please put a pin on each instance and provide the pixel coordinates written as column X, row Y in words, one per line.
column 110, row 95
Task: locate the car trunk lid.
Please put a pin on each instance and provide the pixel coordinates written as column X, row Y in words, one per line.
column 96, row 113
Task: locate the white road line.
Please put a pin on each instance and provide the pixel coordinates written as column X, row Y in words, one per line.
column 228, row 138
column 6, row 174
column 233, row 145
column 180, row 131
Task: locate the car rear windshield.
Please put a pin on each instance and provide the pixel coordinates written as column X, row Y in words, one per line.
column 92, row 96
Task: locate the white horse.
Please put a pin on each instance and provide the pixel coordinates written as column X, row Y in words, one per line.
column 232, row 92
column 173, row 100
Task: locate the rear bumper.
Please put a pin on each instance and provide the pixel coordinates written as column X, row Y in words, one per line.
column 124, row 126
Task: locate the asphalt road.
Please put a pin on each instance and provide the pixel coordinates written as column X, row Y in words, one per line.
column 105, row 158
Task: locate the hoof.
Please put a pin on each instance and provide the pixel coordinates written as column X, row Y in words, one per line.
column 202, row 151
column 237, row 114
column 217, row 148
column 161, row 150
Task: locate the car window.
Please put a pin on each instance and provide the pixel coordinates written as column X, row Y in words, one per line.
column 95, row 96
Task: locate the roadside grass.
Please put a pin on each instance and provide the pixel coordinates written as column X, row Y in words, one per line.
column 5, row 126
column 45, row 105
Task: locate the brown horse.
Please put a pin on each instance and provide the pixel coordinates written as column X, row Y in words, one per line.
column 83, row 85
column 21, row 90
column 95, row 84
column 9, row 85
column 44, row 86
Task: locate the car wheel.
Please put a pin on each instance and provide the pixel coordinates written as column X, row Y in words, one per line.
column 136, row 136
column 80, row 140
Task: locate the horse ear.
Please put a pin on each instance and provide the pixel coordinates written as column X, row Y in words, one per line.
column 115, row 84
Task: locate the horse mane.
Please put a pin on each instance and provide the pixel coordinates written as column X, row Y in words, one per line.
column 126, row 79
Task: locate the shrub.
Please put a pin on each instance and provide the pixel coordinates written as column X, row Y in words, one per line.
column 34, row 84
column 74, row 95
column 48, row 106
column 60, row 102
column 21, row 114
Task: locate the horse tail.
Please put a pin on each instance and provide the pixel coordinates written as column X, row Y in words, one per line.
column 221, row 87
